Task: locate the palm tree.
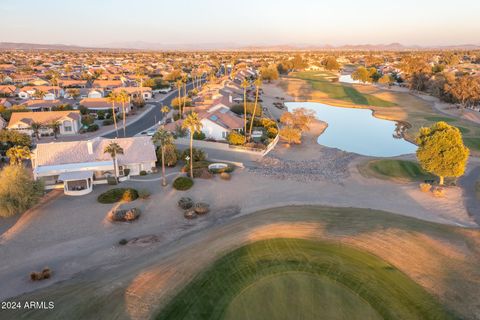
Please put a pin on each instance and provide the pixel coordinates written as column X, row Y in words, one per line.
column 184, row 80
column 245, row 85
column 193, row 124
column 164, row 110
column 257, row 84
column 179, row 88
column 55, row 126
column 123, row 97
column 39, row 94
column 113, row 97
column 113, row 149
column 16, row 154
column 36, row 126
column 164, row 138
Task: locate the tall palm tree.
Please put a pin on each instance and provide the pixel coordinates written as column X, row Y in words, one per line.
column 193, row 124
column 124, row 98
column 245, row 85
column 36, row 126
column 179, row 88
column 164, row 138
column 17, row 154
column 113, row 98
column 257, row 84
column 184, row 80
column 55, row 126
column 114, row 149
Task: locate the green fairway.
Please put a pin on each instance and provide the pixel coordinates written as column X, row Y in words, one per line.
column 302, row 279
column 437, row 119
column 395, row 169
column 336, row 90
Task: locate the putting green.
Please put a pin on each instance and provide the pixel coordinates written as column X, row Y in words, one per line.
column 302, row 279
column 307, row 297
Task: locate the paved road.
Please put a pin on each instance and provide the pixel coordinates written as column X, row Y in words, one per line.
column 468, row 182
column 151, row 117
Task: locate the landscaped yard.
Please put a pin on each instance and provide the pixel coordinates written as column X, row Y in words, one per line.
column 302, row 279
column 401, row 170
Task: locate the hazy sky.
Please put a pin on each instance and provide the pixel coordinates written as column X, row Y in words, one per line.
column 100, row 22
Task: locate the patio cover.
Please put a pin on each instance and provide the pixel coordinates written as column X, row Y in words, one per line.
column 75, row 175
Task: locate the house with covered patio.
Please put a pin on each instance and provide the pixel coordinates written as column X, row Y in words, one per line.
column 76, row 166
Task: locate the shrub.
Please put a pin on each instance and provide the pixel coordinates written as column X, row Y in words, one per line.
column 425, row 187
column 272, row 132
column 268, row 123
column 228, row 169
column 190, row 214
column 182, row 183
column 143, row 194
column 117, row 194
column 107, row 122
column 238, row 109
column 92, row 128
column 235, row 138
column 88, row 120
column 123, row 242
column 100, row 114
column 124, row 215
column 126, row 172
column 185, row 203
column 171, row 155
column 438, row 192
column 18, row 191
column 202, row 173
column 199, row 136
column 198, row 154
column 143, row 173
column 111, row 180
column 225, row 176
column 201, row 208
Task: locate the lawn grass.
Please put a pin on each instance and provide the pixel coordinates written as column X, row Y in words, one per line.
column 438, row 118
column 402, row 170
column 355, row 282
column 472, row 142
column 339, row 91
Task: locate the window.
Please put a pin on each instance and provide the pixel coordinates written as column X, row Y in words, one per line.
column 67, row 129
column 224, row 134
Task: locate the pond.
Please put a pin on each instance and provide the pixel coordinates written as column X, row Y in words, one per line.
column 358, row 131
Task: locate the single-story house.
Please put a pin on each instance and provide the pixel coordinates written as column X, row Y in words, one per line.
column 219, row 121
column 135, row 92
column 70, row 121
column 7, row 90
column 76, row 166
column 107, row 84
column 97, row 104
column 51, row 92
column 41, row 105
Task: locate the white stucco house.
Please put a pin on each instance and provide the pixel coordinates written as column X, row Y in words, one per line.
column 219, row 121
column 135, row 92
column 76, row 166
column 50, row 92
column 70, row 121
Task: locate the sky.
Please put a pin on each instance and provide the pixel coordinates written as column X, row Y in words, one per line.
column 241, row 22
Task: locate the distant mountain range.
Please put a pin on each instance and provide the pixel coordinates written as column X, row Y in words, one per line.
column 142, row 45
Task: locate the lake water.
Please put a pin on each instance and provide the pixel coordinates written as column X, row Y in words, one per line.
column 357, row 130
column 347, row 78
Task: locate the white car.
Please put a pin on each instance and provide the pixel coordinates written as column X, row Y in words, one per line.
column 149, row 132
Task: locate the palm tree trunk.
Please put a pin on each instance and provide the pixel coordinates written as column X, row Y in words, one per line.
column 124, row 119
column 180, row 101
column 184, row 95
column 253, row 115
column 114, row 118
column 245, row 113
column 164, row 182
column 191, row 154
column 441, row 180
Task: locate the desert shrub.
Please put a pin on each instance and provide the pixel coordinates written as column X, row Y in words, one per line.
column 182, row 183
column 201, row 208
column 202, row 173
column 235, row 138
column 100, row 114
column 143, row 194
column 229, row 168
column 268, row 123
column 225, row 175
column 198, row 154
column 124, row 215
column 188, row 102
column 425, row 187
column 123, row 242
column 238, row 109
column 438, row 192
column 88, row 120
column 117, row 194
column 107, row 122
column 199, row 136
column 143, row 173
column 18, row 191
column 185, row 203
column 46, row 273
column 171, row 155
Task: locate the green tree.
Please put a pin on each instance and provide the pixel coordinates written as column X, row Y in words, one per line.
column 123, row 98
column 164, row 138
column 18, row 191
column 193, row 124
column 114, row 149
column 386, row 79
column 441, row 151
column 17, row 154
column 235, row 138
column 331, row 63
column 291, row 135
column 36, row 127
column 361, row 74
column 55, row 126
